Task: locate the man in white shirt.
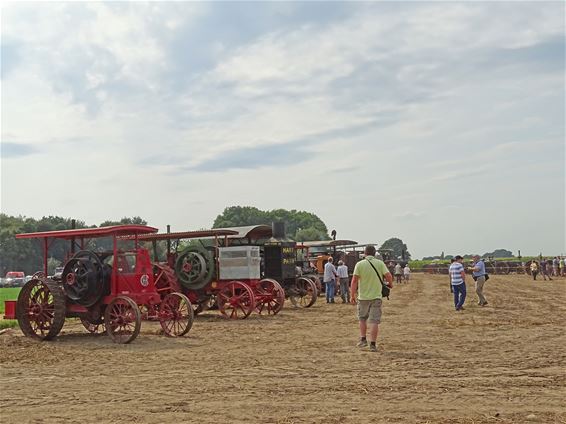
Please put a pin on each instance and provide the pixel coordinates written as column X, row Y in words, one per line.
column 344, row 283
column 398, row 273
column 329, row 279
column 458, row 282
column 407, row 273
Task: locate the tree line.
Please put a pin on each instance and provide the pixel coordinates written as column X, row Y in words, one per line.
column 497, row 253
column 27, row 254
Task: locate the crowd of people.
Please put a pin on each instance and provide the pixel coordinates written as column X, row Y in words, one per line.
column 372, row 274
column 548, row 267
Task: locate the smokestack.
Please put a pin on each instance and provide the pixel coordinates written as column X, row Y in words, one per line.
column 73, row 226
column 278, row 229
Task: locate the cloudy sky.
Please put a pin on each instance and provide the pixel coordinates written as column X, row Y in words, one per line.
column 441, row 123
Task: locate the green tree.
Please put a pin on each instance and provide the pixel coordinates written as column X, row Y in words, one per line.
column 499, row 253
column 27, row 254
column 310, row 234
column 136, row 220
column 398, row 248
column 295, row 221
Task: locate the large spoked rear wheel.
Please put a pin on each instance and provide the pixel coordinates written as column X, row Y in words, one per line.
column 235, row 300
column 41, row 309
column 123, row 319
column 270, row 297
column 176, row 314
column 303, row 294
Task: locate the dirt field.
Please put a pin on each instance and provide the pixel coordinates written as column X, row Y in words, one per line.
column 504, row 363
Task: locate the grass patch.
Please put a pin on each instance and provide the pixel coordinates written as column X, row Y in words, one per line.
column 8, row 323
column 8, row 293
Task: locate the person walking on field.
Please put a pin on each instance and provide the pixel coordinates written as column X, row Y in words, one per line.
column 458, row 282
column 330, row 275
column 534, row 269
column 369, row 274
column 398, row 273
column 452, row 260
column 478, row 273
column 344, row 283
column 406, row 273
column 544, row 269
column 561, row 266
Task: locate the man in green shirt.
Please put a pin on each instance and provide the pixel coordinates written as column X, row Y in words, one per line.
column 369, row 296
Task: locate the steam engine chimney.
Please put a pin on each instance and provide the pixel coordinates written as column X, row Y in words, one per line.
column 278, row 229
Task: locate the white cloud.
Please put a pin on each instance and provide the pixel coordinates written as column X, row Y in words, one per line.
column 395, row 104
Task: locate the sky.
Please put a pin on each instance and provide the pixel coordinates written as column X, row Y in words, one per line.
column 440, row 123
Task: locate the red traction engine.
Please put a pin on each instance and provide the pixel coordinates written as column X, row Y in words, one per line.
column 105, row 289
column 222, row 277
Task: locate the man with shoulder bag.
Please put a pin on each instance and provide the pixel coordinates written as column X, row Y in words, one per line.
column 480, row 277
column 369, row 274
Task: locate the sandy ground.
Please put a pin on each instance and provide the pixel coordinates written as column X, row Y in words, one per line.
column 504, row 363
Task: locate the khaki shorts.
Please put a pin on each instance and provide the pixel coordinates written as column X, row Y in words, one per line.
column 369, row 310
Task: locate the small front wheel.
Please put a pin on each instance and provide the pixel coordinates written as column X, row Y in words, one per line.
column 303, row 293
column 123, row 319
column 176, row 314
column 270, row 297
column 235, row 300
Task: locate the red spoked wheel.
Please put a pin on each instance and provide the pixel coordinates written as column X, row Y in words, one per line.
column 176, row 314
column 270, row 296
column 165, row 280
column 235, row 300
column 41, row 309
column 123, row 319
column 303, row 293
column 93, row 327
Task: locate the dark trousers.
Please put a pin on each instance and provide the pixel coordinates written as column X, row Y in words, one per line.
column 459, row 295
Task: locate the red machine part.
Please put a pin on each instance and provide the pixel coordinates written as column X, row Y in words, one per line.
column 10, row 309
column 165, row 280
column 176, row 315
column 235, row 300
column 269, row 295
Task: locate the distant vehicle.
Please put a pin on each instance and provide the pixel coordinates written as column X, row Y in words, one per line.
column 14, row 279
column 58, row 272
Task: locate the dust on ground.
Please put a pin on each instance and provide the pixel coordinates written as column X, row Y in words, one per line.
column 503, row 363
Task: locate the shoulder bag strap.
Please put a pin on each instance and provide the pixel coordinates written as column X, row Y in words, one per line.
column 378, row 276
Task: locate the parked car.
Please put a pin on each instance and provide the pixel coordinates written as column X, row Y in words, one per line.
column 14, row 279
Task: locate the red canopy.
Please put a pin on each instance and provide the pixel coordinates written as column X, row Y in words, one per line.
column 115, row 230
